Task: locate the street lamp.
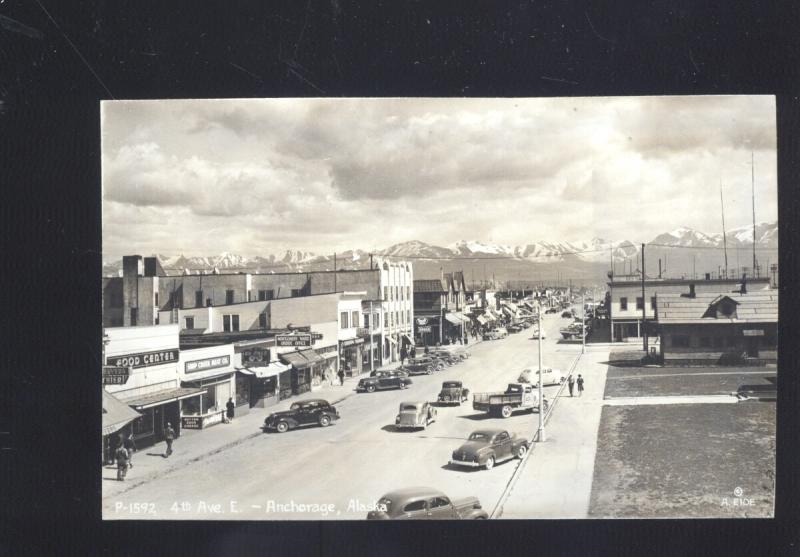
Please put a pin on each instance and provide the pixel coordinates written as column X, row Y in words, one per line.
column 583, row 325
column 540, row 437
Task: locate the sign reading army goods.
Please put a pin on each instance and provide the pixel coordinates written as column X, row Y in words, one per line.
column 144, row 359
column 113, row 375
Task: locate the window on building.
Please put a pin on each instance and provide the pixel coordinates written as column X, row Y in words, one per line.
column 208, row 302
column 156, row 299
column 376, row 319
column 230, row 323
column 248, row 295
column 355, row 319
column 134, row 316
column 296, row 292
column 653, row 303
column 264, row 295
column 623, row 304
column 385, row 293
column 396, row 292
column 366, row 321
column 680, row 341
column 408, row 316
column 408, row 292
column 705, row 342
column 719, row 342
column 228, row 297
column 189, row 323
column 343, row 319
column 198, row 298
column 262, row 320
column 639, row 303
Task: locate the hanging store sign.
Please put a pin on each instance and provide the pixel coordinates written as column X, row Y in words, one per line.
column 293, row 340
column 144, row 359
column 115, row 375
column 425, row 329
column 753, row 332
column 255, row 357
column 422, row 320
column 208, row 363
column 317, row 336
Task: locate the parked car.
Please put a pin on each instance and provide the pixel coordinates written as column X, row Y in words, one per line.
column 567, row 315
column 514, row 328
column 550, row 377
column 446, row 357
column 415, row 415
column 495, row 334
column 425, row 503
column 399, row 372
column 551, row 310
column 453, row 392
column 517, row 396
column 432, row 358
column 418, row 368
column 487, row 447
column 535, row 333
column 372, row 384
column 303, row 413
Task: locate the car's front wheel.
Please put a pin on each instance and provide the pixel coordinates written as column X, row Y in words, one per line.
column 521, row 451
column 402, row 385
column 489, row 463
column 282, row 427
column 324, row 420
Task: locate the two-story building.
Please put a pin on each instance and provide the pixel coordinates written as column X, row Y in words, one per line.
column 627, row 307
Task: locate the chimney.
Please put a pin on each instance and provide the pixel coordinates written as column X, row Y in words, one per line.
column 744, row 284
column 691, row 290
column 708, row 276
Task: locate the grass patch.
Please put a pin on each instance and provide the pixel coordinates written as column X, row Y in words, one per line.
column 683, row 460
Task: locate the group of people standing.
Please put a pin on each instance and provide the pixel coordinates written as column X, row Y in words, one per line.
column 571, row 384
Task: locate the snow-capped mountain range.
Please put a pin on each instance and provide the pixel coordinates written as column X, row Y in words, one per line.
column 594, row 251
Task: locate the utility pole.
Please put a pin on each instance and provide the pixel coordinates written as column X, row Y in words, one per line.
column 370, row 261
column 540, row 438
column 644, row 308
column 334, row 271
column 753, row 182
column 724, row 237
column 371, row 336
column 441, row 308
column 583, row 327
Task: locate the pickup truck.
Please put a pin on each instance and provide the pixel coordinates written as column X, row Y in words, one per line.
column 517, row 396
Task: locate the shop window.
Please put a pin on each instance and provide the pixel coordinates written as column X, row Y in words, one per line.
column 264, row 295
column 355, row 318
column 623, row 304
column 639, row 303
column 198, row 298
column 680, row 341
column 134, row 316
column 144, row 425
column 189, row 323
column 228, row 297
column 719, row 342
column 705, row 342
column 262, row 320
column 343, row 319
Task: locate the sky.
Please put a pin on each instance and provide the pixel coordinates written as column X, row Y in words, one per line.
column 260, row 176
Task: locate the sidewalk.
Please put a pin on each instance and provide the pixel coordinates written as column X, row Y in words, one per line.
column 195, row 444
column 556, row 481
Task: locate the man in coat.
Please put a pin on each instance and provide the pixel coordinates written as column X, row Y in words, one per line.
column 230, row 408
column 122, row 457
column 580, row 385
column 571, row 383
column 169, row 437
column 130, row 446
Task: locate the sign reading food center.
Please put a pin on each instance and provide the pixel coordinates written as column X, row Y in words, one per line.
column 143, row 359
column 293, row 340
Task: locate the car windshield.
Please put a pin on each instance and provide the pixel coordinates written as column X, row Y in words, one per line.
column 452, row 385
column 479, row 436
column 408, row 407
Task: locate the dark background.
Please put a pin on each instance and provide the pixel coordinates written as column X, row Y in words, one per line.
column 58, row 59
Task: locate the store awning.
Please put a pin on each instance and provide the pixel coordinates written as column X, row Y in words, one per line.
column 482, row 320
column 262, row 372
column 116, row 414
column 452, row 319
column 352, row 342
column 244, row 371
column 163, row 397
column 302, row 358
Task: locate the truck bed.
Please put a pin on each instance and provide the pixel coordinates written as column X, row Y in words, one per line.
column 481, row 401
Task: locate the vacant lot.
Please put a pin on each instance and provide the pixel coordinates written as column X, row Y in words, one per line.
column 685, row 460
column 654, row 381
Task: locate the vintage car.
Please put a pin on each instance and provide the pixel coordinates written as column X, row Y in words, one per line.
column 551, row 310
column 495, row 334
column 399, row 372
column 567, row 314
column 306, row 412
column 453, row 392
column 417, row 368
column 535, row 333
column 425, row 503
column 446, row 357
column 486, row 447
column 414, row 415
column 432, row 359
column 372, row 384
column 514, row 328
column 550, row 376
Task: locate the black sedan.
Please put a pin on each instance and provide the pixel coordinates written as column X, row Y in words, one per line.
column 372, row 384
column 307, row 412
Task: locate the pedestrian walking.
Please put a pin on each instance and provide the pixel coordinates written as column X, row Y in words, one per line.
column 403, row 354
column 571, row 383
column 113, row 444
column 426, row 349
column 122, row 458
column 580, row 385
column 130, row 446
column 169, row 437
column 413, row 352
column 341, row 377
column 230, row 408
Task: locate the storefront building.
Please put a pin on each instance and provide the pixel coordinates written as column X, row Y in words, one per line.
column 257, row 378
column 211, row 371
column 152, row 387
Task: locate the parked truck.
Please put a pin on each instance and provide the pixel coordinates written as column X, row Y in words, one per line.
column 517, row 396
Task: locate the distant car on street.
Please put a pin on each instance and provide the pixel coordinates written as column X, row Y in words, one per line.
column 425, row 503
column 486, row 447
column 414, row 415
column 372, row 384
column 535, row 333
column 551, row 376
column 567, row 315
column 495, row 334
column 514, row 328
column 453, row 392
column 307, row 412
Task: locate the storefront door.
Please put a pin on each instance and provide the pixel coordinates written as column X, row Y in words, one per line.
column 752, row 346
column 159, row 422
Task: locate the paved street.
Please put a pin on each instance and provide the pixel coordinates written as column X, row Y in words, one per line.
column 352, row 463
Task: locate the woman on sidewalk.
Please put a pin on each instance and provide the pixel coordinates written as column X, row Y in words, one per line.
column 580, row 385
